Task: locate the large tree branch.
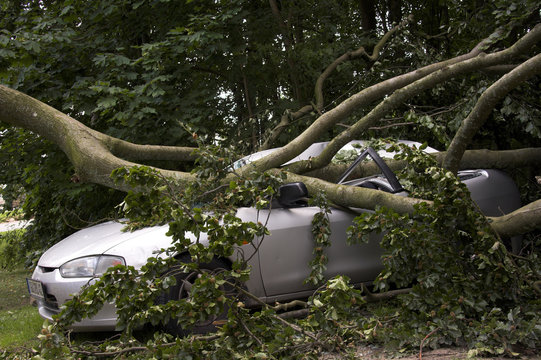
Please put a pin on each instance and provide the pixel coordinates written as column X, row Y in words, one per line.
column 356, row 197
column 351, row 55
column 483, row 108
column 285, row 120
column 497, row 159
column 520, row 221
column 412, row 89
column 136, row 152
column 370, row 94
column 93, row 154
column 472, row 159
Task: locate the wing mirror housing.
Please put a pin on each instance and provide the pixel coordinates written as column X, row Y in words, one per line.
column 293, row 195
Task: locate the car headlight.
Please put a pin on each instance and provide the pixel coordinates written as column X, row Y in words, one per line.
column 90, row 266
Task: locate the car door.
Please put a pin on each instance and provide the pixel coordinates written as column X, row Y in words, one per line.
column 285, row 254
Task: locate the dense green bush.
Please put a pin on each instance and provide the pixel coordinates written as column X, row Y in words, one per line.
column 11, row 253
column 468, row 289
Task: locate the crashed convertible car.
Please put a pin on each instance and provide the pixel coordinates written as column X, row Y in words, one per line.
column 282, row 263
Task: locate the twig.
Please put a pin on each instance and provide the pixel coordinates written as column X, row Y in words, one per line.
column 390, row 125
column 88, row 223
column 261, row 344
column 287, row 306
column 423, row 341
column 295, row 314
column 371, row 297
column 297, row 328
column 277, row 317
column 112, row 353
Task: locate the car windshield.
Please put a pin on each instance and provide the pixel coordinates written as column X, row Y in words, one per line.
column 348, row 153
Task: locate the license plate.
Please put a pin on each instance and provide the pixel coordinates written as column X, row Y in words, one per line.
column 35, row 288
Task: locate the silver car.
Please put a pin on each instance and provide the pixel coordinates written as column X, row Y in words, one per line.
column 277, row 272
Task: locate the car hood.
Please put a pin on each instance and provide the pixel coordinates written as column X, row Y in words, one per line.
column 106, row 238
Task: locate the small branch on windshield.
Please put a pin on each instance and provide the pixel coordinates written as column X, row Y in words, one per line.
column 78, row 218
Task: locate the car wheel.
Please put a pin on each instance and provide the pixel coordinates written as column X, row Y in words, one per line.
column 181, row 290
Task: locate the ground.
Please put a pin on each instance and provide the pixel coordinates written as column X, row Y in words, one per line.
column 374, row 353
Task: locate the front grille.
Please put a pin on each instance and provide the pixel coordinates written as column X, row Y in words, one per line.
column 51, row 303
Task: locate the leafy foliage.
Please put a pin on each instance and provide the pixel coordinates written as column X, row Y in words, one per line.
column 321, row 231
column 467, row 288
column 11, row 255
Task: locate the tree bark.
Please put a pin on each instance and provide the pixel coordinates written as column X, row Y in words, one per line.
column 91, row 153
column 486, row 103
column 368, row 14
column 325, row 122
column 402, row 93
column 357, row 197
column 520, row 221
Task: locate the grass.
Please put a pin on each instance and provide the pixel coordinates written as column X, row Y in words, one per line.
column 13, row 289
column 19, row 328
column 19, row 320
column 20, row 323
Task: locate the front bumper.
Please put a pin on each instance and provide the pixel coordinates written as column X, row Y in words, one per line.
column 58, row 290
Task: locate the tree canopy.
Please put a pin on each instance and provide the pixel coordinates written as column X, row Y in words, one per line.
column 91, row 87
column 253, row 75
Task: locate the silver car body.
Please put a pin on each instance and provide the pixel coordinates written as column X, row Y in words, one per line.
column 281, row 265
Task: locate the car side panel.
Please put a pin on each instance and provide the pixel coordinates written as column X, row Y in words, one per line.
column 494, row 192
column 286, row 253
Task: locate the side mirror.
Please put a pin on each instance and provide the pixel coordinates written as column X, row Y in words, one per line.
column 292, row 195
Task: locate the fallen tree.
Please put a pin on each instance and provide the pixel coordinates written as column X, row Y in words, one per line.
column 462, row 285
column 95, row 155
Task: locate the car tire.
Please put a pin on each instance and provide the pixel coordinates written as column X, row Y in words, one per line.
column 181, row 290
